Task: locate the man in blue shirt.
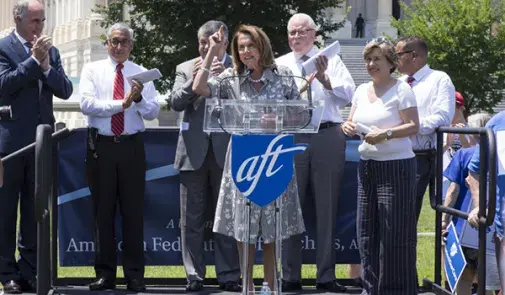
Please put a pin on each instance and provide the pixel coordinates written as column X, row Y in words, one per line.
column 497, row 124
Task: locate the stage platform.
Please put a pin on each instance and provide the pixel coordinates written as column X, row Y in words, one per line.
column 80, row 290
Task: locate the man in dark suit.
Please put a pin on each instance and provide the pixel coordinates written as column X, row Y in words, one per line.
column 200, row 160
column 30, row 75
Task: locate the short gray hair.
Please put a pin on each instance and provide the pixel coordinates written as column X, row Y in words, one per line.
column 303, row 17
column 21, row 7
column 479, row 120
column 120, row 27
column 211, row 27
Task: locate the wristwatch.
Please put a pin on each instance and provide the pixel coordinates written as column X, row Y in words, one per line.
column 389, row 134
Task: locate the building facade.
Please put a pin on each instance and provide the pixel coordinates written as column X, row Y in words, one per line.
column 76, row 31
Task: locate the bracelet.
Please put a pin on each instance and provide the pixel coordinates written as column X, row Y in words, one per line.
column 205, row 69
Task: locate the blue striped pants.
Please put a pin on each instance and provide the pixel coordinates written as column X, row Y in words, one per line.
column 386, row 226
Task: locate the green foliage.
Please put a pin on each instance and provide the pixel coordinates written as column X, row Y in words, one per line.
column 466, row 39
column 166, row 30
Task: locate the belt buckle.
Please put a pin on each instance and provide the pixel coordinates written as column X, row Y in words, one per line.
column 116, row 139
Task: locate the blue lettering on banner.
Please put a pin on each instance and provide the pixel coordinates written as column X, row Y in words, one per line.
column 162, row 241
column 454, row 259
column 262, row 165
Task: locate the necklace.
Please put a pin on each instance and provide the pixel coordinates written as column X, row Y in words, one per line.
column 255, row 81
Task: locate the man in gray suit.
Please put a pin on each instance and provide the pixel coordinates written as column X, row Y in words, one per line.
column 200, row 160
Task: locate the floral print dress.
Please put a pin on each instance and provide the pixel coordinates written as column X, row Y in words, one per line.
column 230, row 218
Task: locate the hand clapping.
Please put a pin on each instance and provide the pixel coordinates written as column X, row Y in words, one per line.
column 40, row 50
column 133, row 95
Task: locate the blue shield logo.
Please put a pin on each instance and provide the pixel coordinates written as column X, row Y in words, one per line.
column 262, row 165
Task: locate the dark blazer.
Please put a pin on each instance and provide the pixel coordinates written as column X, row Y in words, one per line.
column 19, row 88
column 193, row 143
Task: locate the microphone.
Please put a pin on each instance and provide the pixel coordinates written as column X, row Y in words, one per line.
column 309, row 91
column 235, row 92
column 309, row 88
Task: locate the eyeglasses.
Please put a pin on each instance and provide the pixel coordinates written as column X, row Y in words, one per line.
column 301, row 33
column 399, row 54
column 382, row 39
column 124, row 42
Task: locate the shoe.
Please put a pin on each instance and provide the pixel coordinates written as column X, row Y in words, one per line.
column 194, row 286
column 291, row 286
column 136, row 285
column 28, row 285
column 356, row 282
column 102, row 284
column 231, row 286
column 332, row 286
column 12, row 287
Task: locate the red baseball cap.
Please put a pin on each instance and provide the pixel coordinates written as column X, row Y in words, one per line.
column 460, row 100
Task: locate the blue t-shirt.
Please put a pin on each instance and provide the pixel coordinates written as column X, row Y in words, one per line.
column 456, row 172
column 497, row 124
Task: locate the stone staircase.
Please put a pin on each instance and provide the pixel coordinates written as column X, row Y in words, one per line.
column 351, row 52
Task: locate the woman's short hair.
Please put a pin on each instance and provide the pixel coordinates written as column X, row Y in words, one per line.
column 260, row 41
column 386, row 47
column 478, row 120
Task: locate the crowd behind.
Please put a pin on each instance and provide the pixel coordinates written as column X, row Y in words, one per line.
column 401, row 108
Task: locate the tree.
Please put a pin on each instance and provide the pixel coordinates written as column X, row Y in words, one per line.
column 466, row 39
column 166, row 30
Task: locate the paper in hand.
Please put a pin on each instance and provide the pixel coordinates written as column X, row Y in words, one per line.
column 144, row 77
column 330, row 51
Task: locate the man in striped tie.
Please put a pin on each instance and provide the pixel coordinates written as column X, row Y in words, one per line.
column 115, row 159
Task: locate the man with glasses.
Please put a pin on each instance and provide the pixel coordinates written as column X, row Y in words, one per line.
column 200, row 161
column 435, row 96
column 320, row 168
column 115, row 157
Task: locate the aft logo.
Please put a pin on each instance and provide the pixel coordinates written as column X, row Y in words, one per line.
column 262, row 165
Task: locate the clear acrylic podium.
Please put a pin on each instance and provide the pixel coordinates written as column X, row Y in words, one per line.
column 269, row 117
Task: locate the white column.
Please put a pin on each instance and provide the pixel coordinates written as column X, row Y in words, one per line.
column 94, row 3
column 337, row 14
column 384, row 13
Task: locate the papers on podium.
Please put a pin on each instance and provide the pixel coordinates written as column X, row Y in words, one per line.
column 330, row 51
column 144, row 77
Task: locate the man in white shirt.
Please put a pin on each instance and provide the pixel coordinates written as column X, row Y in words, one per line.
column 115, row 158
column 320, row 168
column 435, row 95
column 200, row 161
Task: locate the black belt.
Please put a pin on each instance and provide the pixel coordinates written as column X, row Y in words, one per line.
column 117, row 138
column 425, row 152
column 327, row 125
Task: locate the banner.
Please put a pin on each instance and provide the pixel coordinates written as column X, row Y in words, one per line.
column 162, row 241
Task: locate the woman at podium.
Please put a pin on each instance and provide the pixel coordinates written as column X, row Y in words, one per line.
column 254, row 76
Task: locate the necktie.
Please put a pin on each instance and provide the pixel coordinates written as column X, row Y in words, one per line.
column 117, row 120
column 303, row 84
column 29, row 45
column 410, row 80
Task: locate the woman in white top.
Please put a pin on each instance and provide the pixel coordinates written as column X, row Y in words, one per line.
column 384, row 114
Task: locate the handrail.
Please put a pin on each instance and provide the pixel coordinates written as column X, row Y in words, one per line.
column 56, row 136
column 43, row 165
column 487, row 164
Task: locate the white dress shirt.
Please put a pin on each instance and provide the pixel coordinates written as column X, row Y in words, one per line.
column 96, row 89
column 436, row 101
column 341, row 81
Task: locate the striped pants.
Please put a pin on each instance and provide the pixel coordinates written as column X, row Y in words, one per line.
column 386, row 226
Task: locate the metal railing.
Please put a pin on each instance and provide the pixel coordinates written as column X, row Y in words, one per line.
column 44, row 155
column 487, row 167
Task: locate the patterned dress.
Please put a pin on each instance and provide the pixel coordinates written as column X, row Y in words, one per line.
column 230, row 219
